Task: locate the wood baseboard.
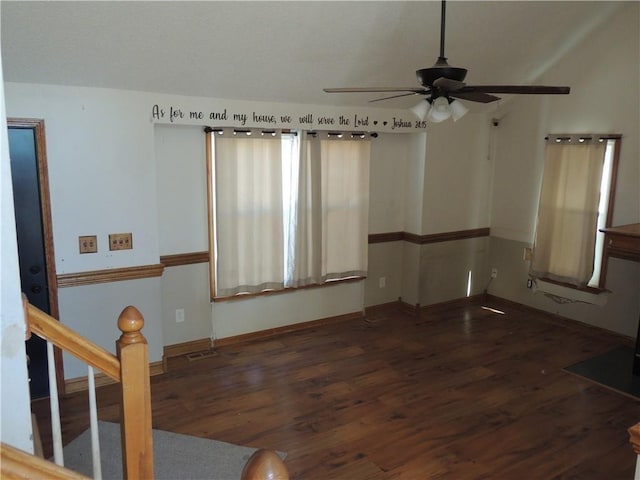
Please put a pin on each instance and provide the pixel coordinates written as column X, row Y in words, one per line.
column 383, row 308
column 411, row 309
column 80, row 384
column 560, row 320
column 408, row 308
column 185, row 348
column 205, row 344
column 473, row 299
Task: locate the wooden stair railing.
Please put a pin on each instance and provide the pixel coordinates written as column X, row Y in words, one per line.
column 130, row 367
column 17, row 464
column 70, row 341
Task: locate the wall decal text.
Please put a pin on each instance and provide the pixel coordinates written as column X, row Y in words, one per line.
column 323, row 118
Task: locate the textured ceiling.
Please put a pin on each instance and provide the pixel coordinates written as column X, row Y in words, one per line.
column 284, row 51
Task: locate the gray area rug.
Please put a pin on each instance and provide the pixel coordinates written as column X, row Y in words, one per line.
column 612, row 369
column 176, row 456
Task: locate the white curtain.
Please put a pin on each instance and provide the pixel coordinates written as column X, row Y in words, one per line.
column 567, row 213
column 305, row 252
column 331, row 220
column 249, row 215
column 345, row 207
column 290, row 211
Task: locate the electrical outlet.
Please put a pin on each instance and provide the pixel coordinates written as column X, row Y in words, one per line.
column 88, row 244
column 494, row 272
column 180, row 315
column 120, row 241
column 526, row 256
column 382, row 282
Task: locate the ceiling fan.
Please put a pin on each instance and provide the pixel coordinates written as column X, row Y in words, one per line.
column 442, row 84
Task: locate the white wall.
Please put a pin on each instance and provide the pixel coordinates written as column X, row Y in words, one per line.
column 102, row 179
column 101, row 170
column 390, row 159
column 517, row 177
column 93, row 310
column 604, row 76
column 182, row 188
column 457, row 175
column 181, row 180
column 413, row 198
column 182, row 221
column 237, row 317
column 182, row 228
column 456, row 196
column 15, row 419
column 390, row 205
column 414, row 183
column 114, row 168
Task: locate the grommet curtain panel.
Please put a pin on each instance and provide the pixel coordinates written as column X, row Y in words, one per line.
column 290, row 211
column 568, row 212
column 249, row 215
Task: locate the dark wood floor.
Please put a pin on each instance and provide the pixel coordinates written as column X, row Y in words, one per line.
column 456, row 393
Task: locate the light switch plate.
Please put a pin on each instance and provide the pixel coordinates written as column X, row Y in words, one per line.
column 120, row 241
column 88, row 244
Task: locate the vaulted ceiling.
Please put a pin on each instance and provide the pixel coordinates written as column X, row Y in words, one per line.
column 285, row 51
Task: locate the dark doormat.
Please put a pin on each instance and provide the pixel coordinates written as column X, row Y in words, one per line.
column 612, row 369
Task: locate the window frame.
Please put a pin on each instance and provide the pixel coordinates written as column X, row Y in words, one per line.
column 211, row 218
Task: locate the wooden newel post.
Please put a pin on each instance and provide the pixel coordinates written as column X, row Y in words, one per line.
column 135, row 424
column 634, row 437
column 265, row 465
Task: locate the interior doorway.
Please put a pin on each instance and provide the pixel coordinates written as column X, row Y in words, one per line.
column 35, row 239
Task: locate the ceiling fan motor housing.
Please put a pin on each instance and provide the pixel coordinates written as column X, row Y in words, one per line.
column 426, row 76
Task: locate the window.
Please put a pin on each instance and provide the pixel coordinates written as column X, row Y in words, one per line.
column 576, row 200
column 286, row 210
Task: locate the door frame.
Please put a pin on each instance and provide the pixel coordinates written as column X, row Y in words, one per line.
column 37, row 124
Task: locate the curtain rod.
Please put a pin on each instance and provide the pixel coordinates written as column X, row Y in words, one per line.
column 581, row 137
column 313, row 133
column 246, row 130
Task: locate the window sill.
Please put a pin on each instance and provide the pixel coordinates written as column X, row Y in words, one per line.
column 587, row 289
column 329, row 283
column 567, row 293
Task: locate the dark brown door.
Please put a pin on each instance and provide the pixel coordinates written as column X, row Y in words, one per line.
column 30, row 228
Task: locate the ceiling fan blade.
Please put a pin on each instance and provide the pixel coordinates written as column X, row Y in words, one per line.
column 517, row 89
column 375, row 89
column 444, row 81
column 396, row 96
column 475, row 96
column 448, row 84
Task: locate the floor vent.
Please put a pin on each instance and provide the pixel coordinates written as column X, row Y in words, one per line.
column 200, row 355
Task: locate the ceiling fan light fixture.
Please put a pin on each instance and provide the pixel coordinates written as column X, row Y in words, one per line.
column 458, row 110
column 421, row 109
column 440, row 110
